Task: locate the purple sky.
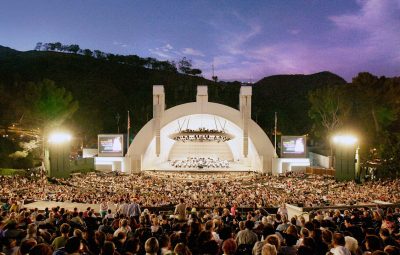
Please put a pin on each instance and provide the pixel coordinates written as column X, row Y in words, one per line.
column 245, row 40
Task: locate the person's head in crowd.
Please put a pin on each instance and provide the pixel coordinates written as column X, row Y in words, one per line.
column 304, row 250
column 121, row 237
column 384, row 233
column 151, row 246
column 293, row 221
column 73, row 245
column 351, row 244
column 304, row 232
column 274, row 240
column 165, row 242
column 290, row 240
column 348, row 222
column 309, row 225
column 31, row 230
column 309, row 242
column 10, row 243
column 242, row 225
column 316, row 223
column 229, row 247
column 370, row 231
column 209, row 225
column 338, row 240
column 132, row 245
column 78, row 233
column 373, row 243
column 26, row 246
column 64, row 229
column 108, row 248
column 392, row 250
column 267, row 230
column 204, row 237
column 99, row 238
column 123, row 223
column 292, row 230
column 264, row 220
column 225, row 232
column 41, row 249
column 182, row 249
column 249, row 224
column 211, row 247
column 327, row 236
column 379, row 253
column 269, row 249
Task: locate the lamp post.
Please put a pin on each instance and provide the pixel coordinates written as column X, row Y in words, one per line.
column 59, row 151
column 346, row 157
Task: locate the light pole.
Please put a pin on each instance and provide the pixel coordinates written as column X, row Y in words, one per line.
column 346, row 157
column 59, row 151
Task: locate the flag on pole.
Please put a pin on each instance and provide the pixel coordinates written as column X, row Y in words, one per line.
column 129, row 127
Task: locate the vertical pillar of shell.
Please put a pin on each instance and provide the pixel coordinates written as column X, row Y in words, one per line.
column 158, row 111
column 202, row 97
column 245, row 110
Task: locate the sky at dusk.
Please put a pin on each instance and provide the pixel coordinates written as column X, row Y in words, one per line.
column 245, row 40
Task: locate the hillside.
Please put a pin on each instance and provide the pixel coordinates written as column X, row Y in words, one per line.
column 105, row 88
column 287, row 95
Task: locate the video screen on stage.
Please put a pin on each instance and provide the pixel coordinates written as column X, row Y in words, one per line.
column 111, row 145
column 293, row 146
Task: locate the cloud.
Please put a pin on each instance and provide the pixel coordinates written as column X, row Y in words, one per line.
column 378, row 23
column 233, row 42
column 365, row 40
column 192, row 52
column 223, row 60
column 294, row 31
column 123, row 45
column 168, row 47
column 165, row 52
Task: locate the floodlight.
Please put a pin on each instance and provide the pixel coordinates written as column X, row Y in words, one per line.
column 344, row 139
column 59, row 137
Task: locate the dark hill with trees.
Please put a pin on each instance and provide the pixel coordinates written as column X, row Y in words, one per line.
column 288, row 96
column 106, row 89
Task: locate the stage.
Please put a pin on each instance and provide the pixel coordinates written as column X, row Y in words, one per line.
column 233, row 167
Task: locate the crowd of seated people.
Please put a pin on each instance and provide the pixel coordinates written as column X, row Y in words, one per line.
column 209, row 191
column 200, row 162
column 223, row 230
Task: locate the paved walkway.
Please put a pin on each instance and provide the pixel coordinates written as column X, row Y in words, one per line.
column 41, row 205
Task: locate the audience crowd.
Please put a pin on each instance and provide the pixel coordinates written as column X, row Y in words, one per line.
column 190, row 229
column 253, row 191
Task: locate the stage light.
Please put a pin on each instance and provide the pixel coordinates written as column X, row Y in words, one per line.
column 58, row 137
column 345, row 139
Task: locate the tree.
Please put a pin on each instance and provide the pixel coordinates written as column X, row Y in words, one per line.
column 195, row 72
column 11, row 105
column 185, row 65
column 376, row 108
column 58, row 46
column 329, row 109
column 98, row 54
column 47, row 105
column 74, row 48
column 38, row 46
column 87, row 52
